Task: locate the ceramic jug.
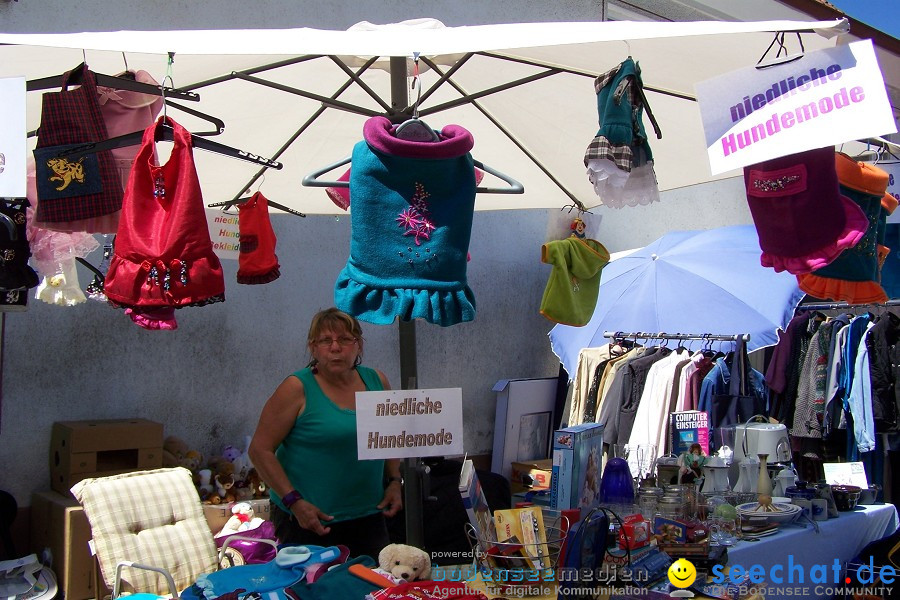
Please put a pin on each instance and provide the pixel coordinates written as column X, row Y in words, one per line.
column 749, row 476
column 785, row 479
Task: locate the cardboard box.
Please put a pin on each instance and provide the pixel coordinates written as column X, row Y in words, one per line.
column 531, row 476
column 218, row 514
column 577, row 466
column 82, row 449
column 58, row 524
column 523, row 422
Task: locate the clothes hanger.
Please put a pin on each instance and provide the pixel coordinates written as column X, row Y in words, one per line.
column 91, row 267
column 414, row 129
column 782, row 48
column 126, row 139
column 119, row 82
column 165, row 132
column 312, row 179
column 236, row 201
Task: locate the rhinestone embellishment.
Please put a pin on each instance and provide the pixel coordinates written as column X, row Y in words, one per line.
column 774, row 185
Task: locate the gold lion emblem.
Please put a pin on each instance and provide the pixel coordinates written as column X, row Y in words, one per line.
column 66, row 172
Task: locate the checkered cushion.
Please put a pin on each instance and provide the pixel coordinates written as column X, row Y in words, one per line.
column 149, row 517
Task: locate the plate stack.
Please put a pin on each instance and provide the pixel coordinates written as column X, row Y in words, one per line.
column 778, row 512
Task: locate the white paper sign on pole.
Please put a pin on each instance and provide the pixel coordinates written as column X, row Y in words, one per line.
column 12, row 137
column 824, row 98
column 409, row 423
column 224, row 233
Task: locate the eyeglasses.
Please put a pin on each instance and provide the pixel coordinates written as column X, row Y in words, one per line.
column 344, row 341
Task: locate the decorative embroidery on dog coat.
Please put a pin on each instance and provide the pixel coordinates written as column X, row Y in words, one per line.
column 411, row 222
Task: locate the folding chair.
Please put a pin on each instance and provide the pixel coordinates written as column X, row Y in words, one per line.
column 149, row 531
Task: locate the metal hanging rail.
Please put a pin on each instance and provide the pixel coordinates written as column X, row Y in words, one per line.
column 640, row 335
column 844, row 305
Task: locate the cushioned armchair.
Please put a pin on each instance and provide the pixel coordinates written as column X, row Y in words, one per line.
column 150, row 534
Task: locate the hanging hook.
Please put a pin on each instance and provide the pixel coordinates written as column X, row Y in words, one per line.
column 416, row 84
column 627, row 45
column 171, row 83
column 125, row 60
column 84, row 57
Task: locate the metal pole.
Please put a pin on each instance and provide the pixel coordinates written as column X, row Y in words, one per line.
column 413, row 469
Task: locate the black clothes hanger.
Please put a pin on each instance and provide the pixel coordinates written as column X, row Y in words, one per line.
column 120, row 82
column 217, row 123
column 782, row 48
column 312, row 180
column 230, row 203
column 165, row 133
column 94, row 269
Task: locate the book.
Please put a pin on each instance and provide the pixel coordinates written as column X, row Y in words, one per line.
column 475, row 503
column 577, row 464
column 508, row 523
column 688, row 427
column 534, row 536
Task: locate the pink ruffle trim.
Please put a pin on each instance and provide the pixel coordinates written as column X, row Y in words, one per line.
column 853, row 232
column 157, row 319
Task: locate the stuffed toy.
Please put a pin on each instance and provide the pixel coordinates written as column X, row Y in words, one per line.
column 224, row 483
column 241, row 519
column 204, row 484
column 255, row 483
column 408, row 562
column 175, row 450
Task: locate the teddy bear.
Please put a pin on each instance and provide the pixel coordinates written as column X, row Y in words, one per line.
column 224, row 484
column 407, row 562
column 241, row 519
column 255, row 483
column 204, row 484
column 174, row 451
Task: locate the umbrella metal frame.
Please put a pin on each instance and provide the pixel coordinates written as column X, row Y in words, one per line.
column 402, row 111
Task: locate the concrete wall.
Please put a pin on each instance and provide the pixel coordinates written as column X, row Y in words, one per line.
column 208, row 380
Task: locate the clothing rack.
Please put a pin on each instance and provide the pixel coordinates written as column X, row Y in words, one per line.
column 640, row 335
column 844, row 305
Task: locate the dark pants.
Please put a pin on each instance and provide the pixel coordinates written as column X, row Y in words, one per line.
column 366, row 535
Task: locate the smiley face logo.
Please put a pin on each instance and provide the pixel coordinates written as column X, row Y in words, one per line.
column 682, row 573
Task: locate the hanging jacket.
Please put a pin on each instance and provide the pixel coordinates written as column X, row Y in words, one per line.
column 884, row 366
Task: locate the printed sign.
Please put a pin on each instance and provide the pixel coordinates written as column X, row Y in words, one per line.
column 824, row 98
column 12, row 137
column 848, row 473
column 224, row 233
column 408, row 423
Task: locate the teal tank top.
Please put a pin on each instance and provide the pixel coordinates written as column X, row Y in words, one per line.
column 319, row 455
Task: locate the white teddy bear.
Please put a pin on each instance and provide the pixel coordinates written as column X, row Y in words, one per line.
column 406, row 562
column 241, row 519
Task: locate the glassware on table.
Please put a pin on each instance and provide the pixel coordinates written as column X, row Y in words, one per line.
column 723, row 531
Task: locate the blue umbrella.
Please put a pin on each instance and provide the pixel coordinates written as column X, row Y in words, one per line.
column 695, row 282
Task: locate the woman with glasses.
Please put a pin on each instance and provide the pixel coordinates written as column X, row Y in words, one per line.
column 304, row 447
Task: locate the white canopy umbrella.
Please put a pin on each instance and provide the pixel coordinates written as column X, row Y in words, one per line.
column 535, row 132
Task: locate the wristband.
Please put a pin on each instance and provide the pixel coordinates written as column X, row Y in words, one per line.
column 399, row 479
column 291, row 498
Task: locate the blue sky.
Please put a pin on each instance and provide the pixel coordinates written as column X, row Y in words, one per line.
column 880, row 14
